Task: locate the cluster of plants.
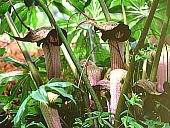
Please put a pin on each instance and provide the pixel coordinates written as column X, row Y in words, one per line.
column 28, row 99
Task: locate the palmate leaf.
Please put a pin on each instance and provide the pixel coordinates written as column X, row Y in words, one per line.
column 41, row 95
column 72, row 35
column 80, row 48
column 34, row 17
column 138, row 4
column 27, row 15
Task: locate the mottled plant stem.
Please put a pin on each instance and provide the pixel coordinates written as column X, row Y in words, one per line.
column 48, row 112
column 33, row 69
column 52, row 58
column 116, row 54
column 126, row 42
column 160, row 46
column 117, row 62
column 105, row 10
column 87, row 83
column 128, row 80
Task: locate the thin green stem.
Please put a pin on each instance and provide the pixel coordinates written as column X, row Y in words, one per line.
column 160, row 45
column 105, row 10
column 87, row 83
column 146, row 27
column 126, row 42
column 144, row 73
column 47, row 111
column 159, row 51
column 33, row 69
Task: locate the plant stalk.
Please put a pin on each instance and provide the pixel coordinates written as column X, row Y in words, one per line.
column 144, row 72
column 126, row 42
column 128, row 80
column 105, row 10
column 33, row 69
column 87, row 83
column 47, row 111
column 159, row 50
column 146, row 27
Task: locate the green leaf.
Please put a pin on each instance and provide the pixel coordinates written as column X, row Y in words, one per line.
column 78, row 121
column 3, row 88
column 92, row 118
column 138, row 4
column 21, row 110
column 4, row 99
column 40, row 95
column 95, row 113
column 61, row 8
column 53, row 80
column 80, row 46
column 15, row 62
column 16, row 87
column 25, row 89
column 28, row 3
column 100, row 122
column 166, row 125
column 115, row 9
column 72, row 35
column 62, row 92
column 40, row 125
column 32, row 83
column 2, row 51
column 34, row 18
column 87, row 3
column 108, row 124
column 11, row 76
column 4, row 6
column 23, row 15
column 60, row 84
column 78, row 4
column 103, row 114
column 135, row 124
column 108, row 3
column 125, row 112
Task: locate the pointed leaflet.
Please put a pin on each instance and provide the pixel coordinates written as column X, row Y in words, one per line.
column 40, row 95
column 16, row 87
column 61, row 8
column 60, row 84
column 11, row 76
column 21, row 110
column 62, row 92
column 4, row 6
